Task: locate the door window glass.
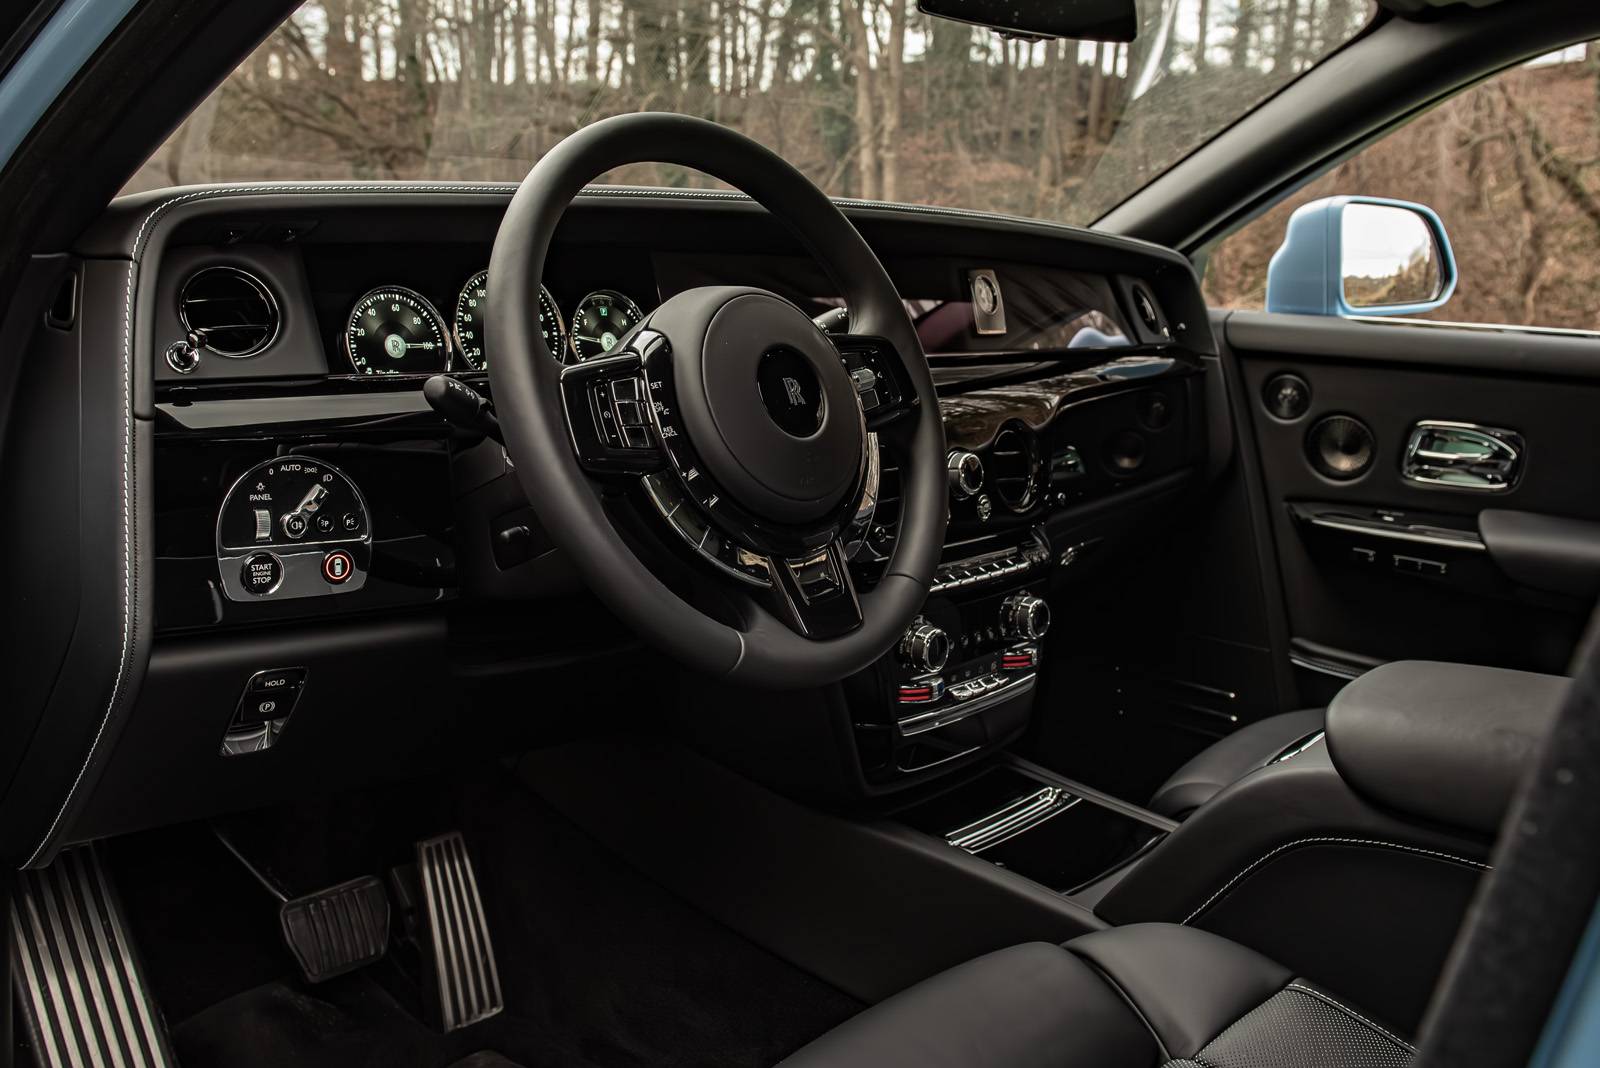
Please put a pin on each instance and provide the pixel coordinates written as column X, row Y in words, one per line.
column 1512, row 166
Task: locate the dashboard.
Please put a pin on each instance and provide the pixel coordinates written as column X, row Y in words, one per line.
column 332, row 577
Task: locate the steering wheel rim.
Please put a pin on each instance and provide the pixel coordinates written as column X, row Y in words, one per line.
column 527, row 389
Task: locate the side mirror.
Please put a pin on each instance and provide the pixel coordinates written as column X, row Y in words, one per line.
column 1361, row 256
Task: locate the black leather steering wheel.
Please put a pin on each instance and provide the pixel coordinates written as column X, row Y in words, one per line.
column 753, row 435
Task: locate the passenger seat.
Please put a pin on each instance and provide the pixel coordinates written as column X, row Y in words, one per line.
column 1129, row 997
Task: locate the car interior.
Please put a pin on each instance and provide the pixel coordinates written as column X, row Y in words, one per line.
column 567, row 621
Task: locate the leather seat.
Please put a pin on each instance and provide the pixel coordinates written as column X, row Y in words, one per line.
column 1141, row 996
column 1231, row 759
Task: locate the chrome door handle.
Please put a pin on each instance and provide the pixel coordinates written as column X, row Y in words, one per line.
column 1463, row 456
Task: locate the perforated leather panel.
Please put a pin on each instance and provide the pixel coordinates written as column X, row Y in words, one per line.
column 1304, row 1027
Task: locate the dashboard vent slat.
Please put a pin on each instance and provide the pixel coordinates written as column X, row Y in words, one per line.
column 1011, row 466
column 231, row 311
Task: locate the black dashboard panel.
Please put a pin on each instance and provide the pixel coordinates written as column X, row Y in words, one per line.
column 1069, row 424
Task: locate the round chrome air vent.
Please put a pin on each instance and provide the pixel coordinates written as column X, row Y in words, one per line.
column 1013, row 467
column 231, row 311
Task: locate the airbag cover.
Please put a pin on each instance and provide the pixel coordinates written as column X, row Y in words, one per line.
column 766, row 400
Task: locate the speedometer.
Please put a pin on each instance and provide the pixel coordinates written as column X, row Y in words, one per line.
column 600, row 321
column 469, row 322
column 394, row 331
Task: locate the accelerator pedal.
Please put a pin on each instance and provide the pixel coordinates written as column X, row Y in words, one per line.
column 82, row 992
column 337, row 930
column 458, row 957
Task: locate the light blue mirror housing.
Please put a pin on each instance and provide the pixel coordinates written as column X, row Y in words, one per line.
column 1352, row 255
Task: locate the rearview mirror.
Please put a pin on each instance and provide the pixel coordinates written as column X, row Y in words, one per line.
column 1085, row 20
column 1361, row 256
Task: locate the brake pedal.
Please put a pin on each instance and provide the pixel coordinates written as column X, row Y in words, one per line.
column 459, row 957
column 339, row 929
column 82, row 991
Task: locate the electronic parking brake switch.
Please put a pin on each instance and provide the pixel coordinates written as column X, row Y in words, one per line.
column 269, row 695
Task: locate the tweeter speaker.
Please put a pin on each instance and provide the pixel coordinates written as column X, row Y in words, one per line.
column 1340, row 447
column 1287, row 396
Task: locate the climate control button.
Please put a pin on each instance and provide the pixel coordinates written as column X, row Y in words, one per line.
column 1022, row 615
column 965, row 471
column 925, row 648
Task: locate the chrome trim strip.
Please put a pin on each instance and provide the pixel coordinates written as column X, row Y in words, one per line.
column 1482, row 328
column 935, row 718
column 1465, row 541
column 1321, row 668
column 1299, row 747
column 1007, row 822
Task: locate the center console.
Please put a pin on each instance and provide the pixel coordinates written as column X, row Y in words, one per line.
column 1057, row 833
column 958, row 681
column 1044, row 469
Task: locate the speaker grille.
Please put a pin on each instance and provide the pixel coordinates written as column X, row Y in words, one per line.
column 1340, row 447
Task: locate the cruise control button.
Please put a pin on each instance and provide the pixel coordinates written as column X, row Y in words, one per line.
column 337, row 566
column 261, row 573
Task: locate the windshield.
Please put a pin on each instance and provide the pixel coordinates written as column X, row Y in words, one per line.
column 868, row 97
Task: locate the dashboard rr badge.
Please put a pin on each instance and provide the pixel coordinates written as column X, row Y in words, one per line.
column 791, row 388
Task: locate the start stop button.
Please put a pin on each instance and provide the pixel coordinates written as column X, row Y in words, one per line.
column 261, row 573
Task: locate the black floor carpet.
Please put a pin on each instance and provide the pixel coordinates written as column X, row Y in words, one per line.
column 600, row 967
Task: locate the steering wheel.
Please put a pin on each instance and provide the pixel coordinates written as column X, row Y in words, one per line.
column 748, row 432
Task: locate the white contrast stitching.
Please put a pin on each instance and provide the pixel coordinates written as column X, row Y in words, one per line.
column 1334, row 841
column 1348, row 1011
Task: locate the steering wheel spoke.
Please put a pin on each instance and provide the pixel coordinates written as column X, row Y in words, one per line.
column 608, row 416
column 882, row 386
column 815, row 595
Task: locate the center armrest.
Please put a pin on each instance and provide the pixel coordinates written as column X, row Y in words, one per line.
column 1445, row 742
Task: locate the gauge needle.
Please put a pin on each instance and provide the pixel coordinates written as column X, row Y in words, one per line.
column 581, row 337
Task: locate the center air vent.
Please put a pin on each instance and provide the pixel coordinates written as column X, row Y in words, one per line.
column 231, row 311
column 1011, row 466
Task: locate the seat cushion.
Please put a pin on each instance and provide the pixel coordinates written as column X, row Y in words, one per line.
column 1130, row 997
column 1030, row 1006
column 1187, row 984
column 1227, row 761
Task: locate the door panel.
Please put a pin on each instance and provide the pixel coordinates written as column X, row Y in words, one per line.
column 1376, row 567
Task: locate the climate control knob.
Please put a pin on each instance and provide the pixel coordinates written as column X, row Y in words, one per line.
column 966, row 473
column 1022, row 615
column 925, row 648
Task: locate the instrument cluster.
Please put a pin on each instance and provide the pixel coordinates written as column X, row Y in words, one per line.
column 394, row 330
